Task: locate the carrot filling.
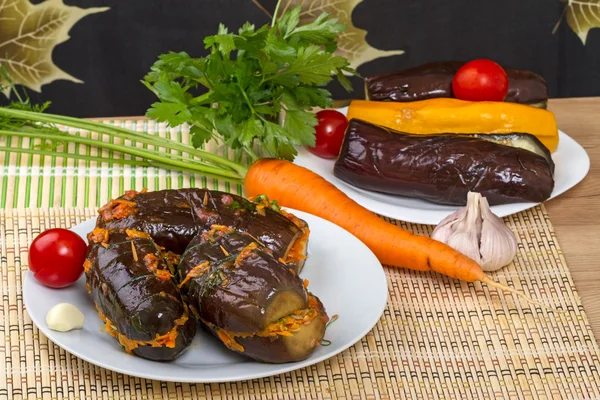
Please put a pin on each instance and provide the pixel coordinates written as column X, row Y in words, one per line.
column 134, row 252
column 296, row 252
column 262, row 201
column 117, row 209
column 130, row 194
column 133, row 234
column 225, row 252
column 260, row 209
column 151, row 263
column 229, row 340
column 217, row 231
column 163, row 275
column 166, row 340
column 195, row 272
column 87, row 266
column 172, row 258
column 298, row 249
column 98, row 235
column 245, row 253
column 286, row 326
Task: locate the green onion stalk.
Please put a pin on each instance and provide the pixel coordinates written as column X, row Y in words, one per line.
column 44, row 126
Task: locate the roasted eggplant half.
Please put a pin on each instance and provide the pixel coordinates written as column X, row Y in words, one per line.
column 289, row 339
column 131, row 282
column 435, row 80
column 251, row 300
column 444, row 168
column 173, row 217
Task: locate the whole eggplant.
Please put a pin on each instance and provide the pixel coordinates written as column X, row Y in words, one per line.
column 239, row 289
column 435, row 80
column 131, row 284
column 444, row 168
column 173, row 217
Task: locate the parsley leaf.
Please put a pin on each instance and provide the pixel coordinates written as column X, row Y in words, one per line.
column 223, row 41
column 237, row 91
column 321, row 31
column 173, row 113
column 301, row 124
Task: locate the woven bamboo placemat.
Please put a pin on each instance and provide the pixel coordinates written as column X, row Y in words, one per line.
column 438, row 337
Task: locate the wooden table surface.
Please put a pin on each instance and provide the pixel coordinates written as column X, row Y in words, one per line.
column 576, row 213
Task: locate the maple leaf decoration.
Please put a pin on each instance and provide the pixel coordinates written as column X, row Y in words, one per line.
column 582, row 15
column 28, row 35
column 352, row 43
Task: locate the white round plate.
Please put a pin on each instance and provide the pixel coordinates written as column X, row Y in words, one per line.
column 342, row 272
column 572, row 164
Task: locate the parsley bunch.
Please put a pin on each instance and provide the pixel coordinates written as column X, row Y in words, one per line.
column 257, row 86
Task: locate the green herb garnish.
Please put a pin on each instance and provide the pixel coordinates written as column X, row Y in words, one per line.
column 252, row 76
column 235, row 205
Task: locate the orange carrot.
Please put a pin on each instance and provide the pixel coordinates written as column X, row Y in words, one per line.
column 297, row 187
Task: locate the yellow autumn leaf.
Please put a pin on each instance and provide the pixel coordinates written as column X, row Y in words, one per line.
column 28, row 35
column 352, row 43
column 583, row 15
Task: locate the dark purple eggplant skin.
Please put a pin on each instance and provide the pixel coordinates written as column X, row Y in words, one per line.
column 441, row 168
column 133, row 298
column 435, row 80
column 237, row 297
column 174, row 217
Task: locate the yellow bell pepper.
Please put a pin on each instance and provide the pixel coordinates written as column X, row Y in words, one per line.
column 444, row 115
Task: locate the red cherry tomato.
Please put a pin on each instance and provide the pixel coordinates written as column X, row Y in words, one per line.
column 329, row 133
column 480, row 80
column 56, row 257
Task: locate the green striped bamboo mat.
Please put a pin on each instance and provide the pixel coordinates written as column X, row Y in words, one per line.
column 41, row 181
column 438, row 337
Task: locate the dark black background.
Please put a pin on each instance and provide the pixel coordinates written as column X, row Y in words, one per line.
column 112, row 51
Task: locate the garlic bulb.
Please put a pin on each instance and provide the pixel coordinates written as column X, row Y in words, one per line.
column 479, row 234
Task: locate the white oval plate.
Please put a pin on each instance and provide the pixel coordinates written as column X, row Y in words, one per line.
column 342, row 271
column 572, row 164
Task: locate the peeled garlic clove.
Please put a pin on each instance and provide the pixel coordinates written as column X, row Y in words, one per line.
column 64, row 317
column 498, row 243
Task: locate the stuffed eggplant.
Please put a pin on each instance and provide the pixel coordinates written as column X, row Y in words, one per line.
column 251, row 300
column 173, row 217
column 444, row 168
column 435, row 80
column 131, row 282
